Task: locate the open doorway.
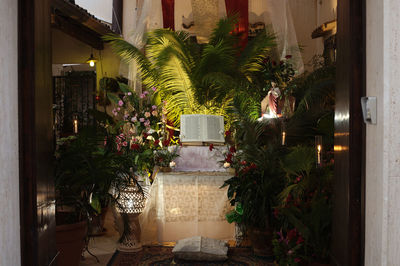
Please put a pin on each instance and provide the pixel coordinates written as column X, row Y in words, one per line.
column 30, row 184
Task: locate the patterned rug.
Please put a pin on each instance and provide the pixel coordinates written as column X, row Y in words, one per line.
column 162, row 256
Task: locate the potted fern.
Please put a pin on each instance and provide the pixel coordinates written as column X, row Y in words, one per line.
column 84, row 174
column 258, row 176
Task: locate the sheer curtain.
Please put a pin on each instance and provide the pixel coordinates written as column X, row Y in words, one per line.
column 147, row 15
column 277, row 16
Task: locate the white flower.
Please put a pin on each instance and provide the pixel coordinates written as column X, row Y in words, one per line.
column 172, row 164
column 227, row 165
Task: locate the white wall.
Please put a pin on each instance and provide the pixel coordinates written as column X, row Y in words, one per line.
column 382, row 237
column 307, row 16
column 9, row 178
column 101, row 9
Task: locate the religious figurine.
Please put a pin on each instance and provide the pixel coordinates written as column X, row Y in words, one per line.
column 269, row 105
column 276, row 105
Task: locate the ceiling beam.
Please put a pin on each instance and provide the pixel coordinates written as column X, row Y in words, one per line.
column 77, row 31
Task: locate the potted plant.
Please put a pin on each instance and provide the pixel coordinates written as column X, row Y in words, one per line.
column 305, row 210
column 257, row 180
column 84, row 173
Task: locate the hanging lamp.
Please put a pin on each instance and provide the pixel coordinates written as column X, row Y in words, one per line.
column 91, row 60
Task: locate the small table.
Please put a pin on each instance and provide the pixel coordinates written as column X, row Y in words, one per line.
column 186, row 204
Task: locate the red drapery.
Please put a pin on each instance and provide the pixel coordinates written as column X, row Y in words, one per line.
column 168, row 13
column 241, row 8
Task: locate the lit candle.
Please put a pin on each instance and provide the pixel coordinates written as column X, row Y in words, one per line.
column 318, row 147
column 283, row 138
column 75, row 125
column 319, row 154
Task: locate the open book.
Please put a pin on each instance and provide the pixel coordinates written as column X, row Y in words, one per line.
column 202, row 128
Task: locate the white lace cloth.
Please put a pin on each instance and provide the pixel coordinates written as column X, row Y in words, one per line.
column 186, row 204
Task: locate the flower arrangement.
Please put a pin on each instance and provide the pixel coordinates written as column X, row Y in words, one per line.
column 139, row 127
column 165, row 157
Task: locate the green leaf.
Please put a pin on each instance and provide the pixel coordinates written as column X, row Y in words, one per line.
column 96, row 204
column 113, row 97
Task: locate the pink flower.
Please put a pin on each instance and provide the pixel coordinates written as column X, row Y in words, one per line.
column 154, row 107
column 141, row 119
column 134, row 119
column 154, row 88
column 142, row 96
column 114, row 111
column 154, row 113
column 129, row 93
column 124, row 143
column 147, row 114
column 145, row 92
column 119, row 109
column 147, row 123
column 120, row 103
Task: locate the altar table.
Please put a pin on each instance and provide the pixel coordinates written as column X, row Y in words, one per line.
column 186, row 204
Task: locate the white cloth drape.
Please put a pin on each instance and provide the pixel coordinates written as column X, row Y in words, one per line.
column 186, row 204
column 146, row 16
column 277, row 16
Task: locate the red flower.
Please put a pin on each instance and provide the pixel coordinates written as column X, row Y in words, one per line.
column 165, row 142
column 243, row 162
column 229, row 158
column 211, row 147
column 227, row 133
column 276, row 212
column 297, row 260
column 253, row 166
column 156, row 142
column 145, row 135
column 291, row 234
column 135, row 146
column 273, row 63
column 288, row 56
column 299, row 240
column 232, row 149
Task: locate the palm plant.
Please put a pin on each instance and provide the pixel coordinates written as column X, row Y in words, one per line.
column 194, row 78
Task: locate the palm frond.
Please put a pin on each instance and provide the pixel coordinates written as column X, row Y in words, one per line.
column 223, row 30
column 252, row 56
column 129, row 53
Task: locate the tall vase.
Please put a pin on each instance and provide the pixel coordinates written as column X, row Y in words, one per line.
column 130, row 204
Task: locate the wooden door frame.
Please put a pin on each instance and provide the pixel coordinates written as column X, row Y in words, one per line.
column 37, row 204
column 349, row 181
